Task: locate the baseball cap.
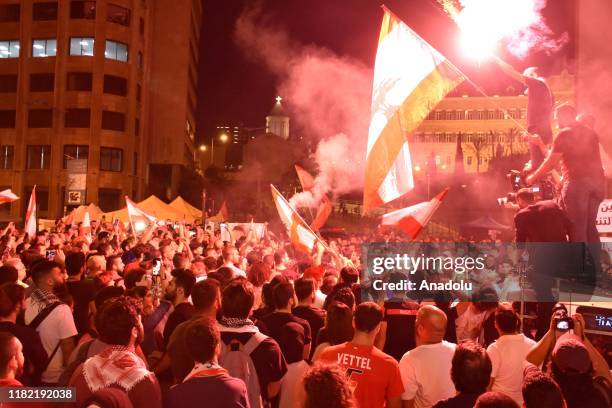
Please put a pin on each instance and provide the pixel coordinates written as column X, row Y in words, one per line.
column 570, row 355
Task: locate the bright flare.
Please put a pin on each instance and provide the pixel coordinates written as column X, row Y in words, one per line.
column 484, row 23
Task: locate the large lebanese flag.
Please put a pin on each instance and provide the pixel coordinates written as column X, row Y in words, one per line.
column 30, row 218
column 7, row 196
column 414, row 218
column 301, row 236
column 410, row 78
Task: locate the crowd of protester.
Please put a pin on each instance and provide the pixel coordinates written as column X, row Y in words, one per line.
column 176, row 317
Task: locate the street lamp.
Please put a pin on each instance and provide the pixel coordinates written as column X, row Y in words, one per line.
column 223, row 138
column 203, row 148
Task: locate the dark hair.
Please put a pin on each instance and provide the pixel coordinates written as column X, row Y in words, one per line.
column 328, row 284
column 327, row 386
column 495, row 399
column 344, row 295
column 202, row 338
column 184, row 279
column 8, row 274
column 225, row 275
column 282, row 294
column 279, row 255
column 541, row 391
column 7, row 349
column 133, row 276
column 575, row 386
column 211, row 263
column 339, row 323
column 367, row 316
column 42, row 268
column 238, row 299
column 259, row 273
column 349, row 275
column 526, row 194
column 304, row 288
column 205, row 293
column 74, row 263
column 106, row 293
column 471, row 368
column 11, row 294
column 118, row 318
column 507, row 320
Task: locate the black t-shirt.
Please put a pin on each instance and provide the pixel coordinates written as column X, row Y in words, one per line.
column 267, row 358
column 33, row 351
column 220, row 391
column 462, row 400
column 315, row 318
column 400, row 318
column 276, row 320
column 82, row 292
column 539, row 103
column 579, row 147
column 543, row 221
column 181, row 313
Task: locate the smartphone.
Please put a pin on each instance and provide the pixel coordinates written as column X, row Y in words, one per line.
column 156, row 267
column 50, row 255
column 192, row 233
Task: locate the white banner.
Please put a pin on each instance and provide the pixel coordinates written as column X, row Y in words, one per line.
column 604, row 216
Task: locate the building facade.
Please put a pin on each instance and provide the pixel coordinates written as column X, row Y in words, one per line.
column 485, row 124
column 76, row 82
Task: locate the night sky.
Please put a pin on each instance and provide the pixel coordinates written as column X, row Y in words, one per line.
column 234, row 89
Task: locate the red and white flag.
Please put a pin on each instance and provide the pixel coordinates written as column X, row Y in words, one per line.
column 323, row 213
column 138, row 217
column 410, row 78
column 414, row 218
column 85, row 230
column 306, row 179
column 30, row 219
column 301, row 236
column 7, row 196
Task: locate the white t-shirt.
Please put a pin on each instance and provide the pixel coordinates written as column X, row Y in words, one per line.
column 290, row 383
column 507, row 356
column 319, row 299
column 57, row 326
column 425, row 373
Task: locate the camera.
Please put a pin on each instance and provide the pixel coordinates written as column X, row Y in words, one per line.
column 545, row 189
column 564, row 323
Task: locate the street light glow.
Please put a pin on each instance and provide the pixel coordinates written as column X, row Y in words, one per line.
column 223, row 138
column 203, row 148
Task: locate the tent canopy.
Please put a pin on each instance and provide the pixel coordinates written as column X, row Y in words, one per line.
column 486, row 222
column 76, row 215
column 156, row 208
column 184, row 207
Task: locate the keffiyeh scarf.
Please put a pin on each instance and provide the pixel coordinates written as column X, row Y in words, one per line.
column 115, row 365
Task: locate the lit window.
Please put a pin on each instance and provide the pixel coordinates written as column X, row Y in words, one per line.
column 6, row 157
column 9, row 49
column 82, row 46
column 44, row 48
column 116, row 51
column 75, row 152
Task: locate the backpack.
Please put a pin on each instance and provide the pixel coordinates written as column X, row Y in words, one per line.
column 236, row 359
column 81, row 357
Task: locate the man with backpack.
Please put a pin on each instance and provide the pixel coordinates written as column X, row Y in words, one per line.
column 246, row 353
column 51, row 318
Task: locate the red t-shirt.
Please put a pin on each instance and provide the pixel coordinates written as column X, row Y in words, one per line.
column 374, row 375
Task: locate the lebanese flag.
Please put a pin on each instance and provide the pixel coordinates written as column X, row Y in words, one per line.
column 138, row 217
column 85, row 229
column 301, row 236
column 7, row 196
column 30, row 218
column 222, row 214
column 414, row 218
column 323, row 213
column 410, row 78
column 306, row 179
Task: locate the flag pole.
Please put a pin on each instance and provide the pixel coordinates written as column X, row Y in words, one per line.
column 127, row 206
